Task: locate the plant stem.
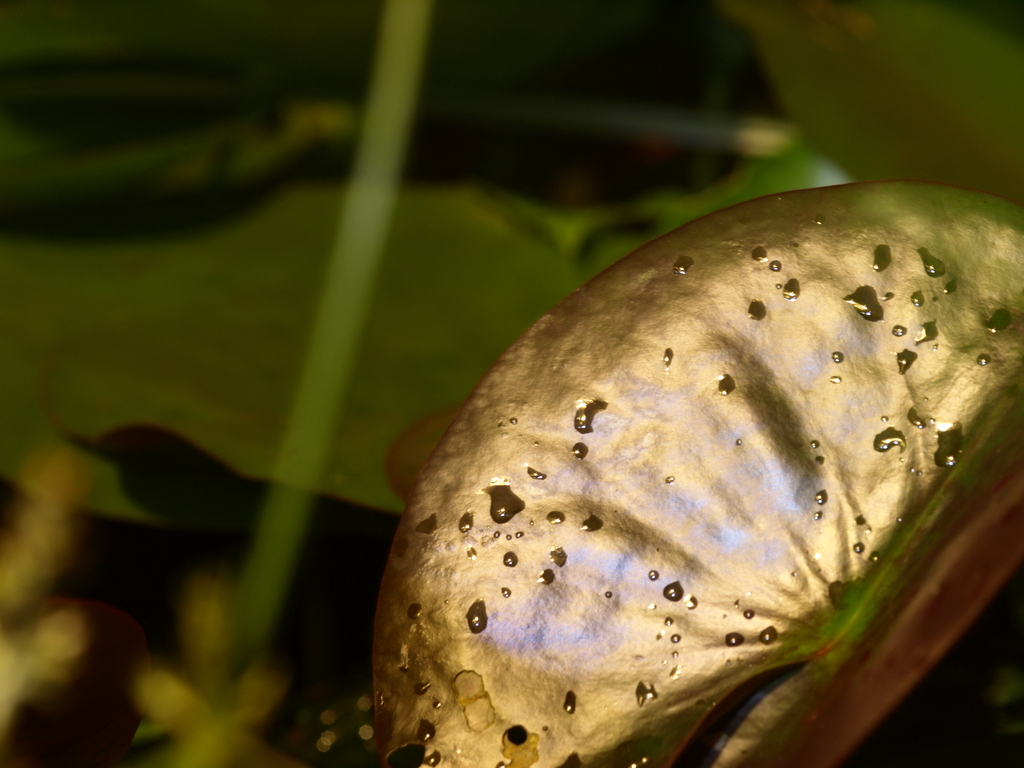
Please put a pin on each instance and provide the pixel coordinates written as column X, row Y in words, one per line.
column 334, row 342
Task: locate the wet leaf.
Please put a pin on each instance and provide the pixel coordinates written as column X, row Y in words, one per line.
column 751, row 574
column 909, row 89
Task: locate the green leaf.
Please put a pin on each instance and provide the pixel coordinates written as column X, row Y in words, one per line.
column 734, row 496
column 899, row 88
column 201, row 335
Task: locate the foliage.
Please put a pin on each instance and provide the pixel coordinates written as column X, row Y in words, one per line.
column 763, row 447
column 171, row 176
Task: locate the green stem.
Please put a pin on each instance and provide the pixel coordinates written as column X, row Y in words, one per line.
column 338, row 327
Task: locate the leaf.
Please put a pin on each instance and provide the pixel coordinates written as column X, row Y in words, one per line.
column 155, row 352
column 324, row 47
column 890, row 89
column 699, row 506
column 201, row 335
column 233, row 158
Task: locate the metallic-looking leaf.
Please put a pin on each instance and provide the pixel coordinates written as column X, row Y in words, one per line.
column 716, row 536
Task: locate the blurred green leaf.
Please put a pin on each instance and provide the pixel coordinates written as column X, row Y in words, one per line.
column 202, row 334
column 322, row 47
column 138, row 349
column 899, row 88
column 222, row 159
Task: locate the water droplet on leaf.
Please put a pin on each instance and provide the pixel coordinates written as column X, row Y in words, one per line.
column 673, row 592
column 666, row 358
column 682, row 265
column 733, row 639
column 756, row 310
column 951, row 439
column 768, row 635
column 821, row 497
column 413, row 611
column 917, row 298
column 890, row 438
column 748, row 614
column 865, row 301
column 837, row 357
column 516, row 735
column 904, row 360
column 585, row 412
column 759, row 254
column 510, row 559
column 791, row 291
column 653, row 575
column 535, row 474
column 556, row 517
column 984, row 359
column 558, row 556
column 932, row 266
column 898, row 330
column 645, row 692
column 466, row 522
column 775, row 266
column 429, row 525
column 883, row 258
column 999, row 321
column 915, row 419
column 546, row 576
column 476, row 616
column 726, row 384
column 928, row 332
column 592, row 523
column 580, row 451
column 570, row 702
column 504, row 504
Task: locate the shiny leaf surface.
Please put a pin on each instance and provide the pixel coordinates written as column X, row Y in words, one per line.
column 665, row 521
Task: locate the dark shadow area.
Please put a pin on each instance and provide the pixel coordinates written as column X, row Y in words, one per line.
column 172, row 479
column 91, row 101
column 950, row 712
